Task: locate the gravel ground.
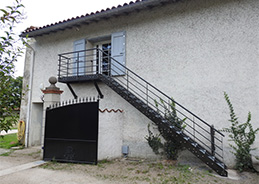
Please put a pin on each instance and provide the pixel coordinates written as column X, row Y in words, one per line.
column 128, row 171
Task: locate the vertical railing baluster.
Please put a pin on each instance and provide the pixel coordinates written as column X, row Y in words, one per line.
column 212, row 134
column 169, row 109
column 98, row 61
column 59, row 68
column 109, row 63
column 147, row 92
column 77, row 63
column 193, row 124
column 68, row 60
column 101, row 60
column 127, row 73
column 222, row 149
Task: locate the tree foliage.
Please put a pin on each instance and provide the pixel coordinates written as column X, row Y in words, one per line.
column 10, row 101
column 243, row 135
column 10, row 49
column 10, row 44
column 14, row 92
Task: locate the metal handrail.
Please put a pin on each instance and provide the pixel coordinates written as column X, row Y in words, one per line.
column 164, row 94
column 133, row 82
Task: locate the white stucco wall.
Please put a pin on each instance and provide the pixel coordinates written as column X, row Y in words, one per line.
column 192, row 50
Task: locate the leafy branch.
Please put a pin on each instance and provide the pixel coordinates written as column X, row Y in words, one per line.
column 170, row 146
column 243, row 135
column 10, row 44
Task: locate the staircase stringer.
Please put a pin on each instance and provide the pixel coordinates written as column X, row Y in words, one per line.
column 177, row 134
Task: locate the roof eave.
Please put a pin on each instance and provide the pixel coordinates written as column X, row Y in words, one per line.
column 120, row 10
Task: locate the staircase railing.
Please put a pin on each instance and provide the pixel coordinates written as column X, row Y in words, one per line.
column 200, row 131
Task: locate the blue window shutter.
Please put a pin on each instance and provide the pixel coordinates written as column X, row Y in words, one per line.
column 79, row 58
column 118, row 53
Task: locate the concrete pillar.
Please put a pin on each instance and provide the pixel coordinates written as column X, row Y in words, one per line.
column 51, row 96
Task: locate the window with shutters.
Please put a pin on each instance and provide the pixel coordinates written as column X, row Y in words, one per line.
column 109, row 61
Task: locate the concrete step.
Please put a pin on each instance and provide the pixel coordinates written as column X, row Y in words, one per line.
column 21, row 167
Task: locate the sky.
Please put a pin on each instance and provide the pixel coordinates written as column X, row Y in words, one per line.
column 42, row 12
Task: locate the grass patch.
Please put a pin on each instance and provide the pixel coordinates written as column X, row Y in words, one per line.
column 126, row 171
column 102, row 163
column 6, row 154
column 105, row 161
column 8, row 141
column 54, row 165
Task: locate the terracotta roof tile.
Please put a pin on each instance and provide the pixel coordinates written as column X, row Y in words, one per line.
column 131, row 3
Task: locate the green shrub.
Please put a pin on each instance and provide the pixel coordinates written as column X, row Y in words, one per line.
column 170, row 147
column 154, row 141
column 243, row 135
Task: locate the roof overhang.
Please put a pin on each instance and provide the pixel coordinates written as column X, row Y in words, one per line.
column 95, row 17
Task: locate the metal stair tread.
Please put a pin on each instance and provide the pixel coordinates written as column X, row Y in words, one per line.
column 158, row 119
column 195, row 144
column 186, row 138
column 212, row 158
column 203, row 151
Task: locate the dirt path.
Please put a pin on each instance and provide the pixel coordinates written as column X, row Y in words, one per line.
column 128, row 171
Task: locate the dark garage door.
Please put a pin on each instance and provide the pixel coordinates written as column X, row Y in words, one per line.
column 71, row 133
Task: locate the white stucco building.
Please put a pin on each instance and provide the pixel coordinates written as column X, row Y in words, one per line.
column 191, row 50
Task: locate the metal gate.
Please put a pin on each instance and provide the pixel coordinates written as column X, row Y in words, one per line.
column 71, row 132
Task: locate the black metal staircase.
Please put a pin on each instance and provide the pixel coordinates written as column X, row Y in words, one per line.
column 202, row 139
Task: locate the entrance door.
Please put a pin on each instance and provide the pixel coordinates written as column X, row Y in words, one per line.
column 103, row 58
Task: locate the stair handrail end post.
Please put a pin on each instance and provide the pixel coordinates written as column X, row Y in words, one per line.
column 212, row 133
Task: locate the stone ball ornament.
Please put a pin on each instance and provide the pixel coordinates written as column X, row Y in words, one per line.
column 53, row 80
column 52, row 88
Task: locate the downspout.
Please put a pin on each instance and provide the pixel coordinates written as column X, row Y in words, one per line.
column 28, row 114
